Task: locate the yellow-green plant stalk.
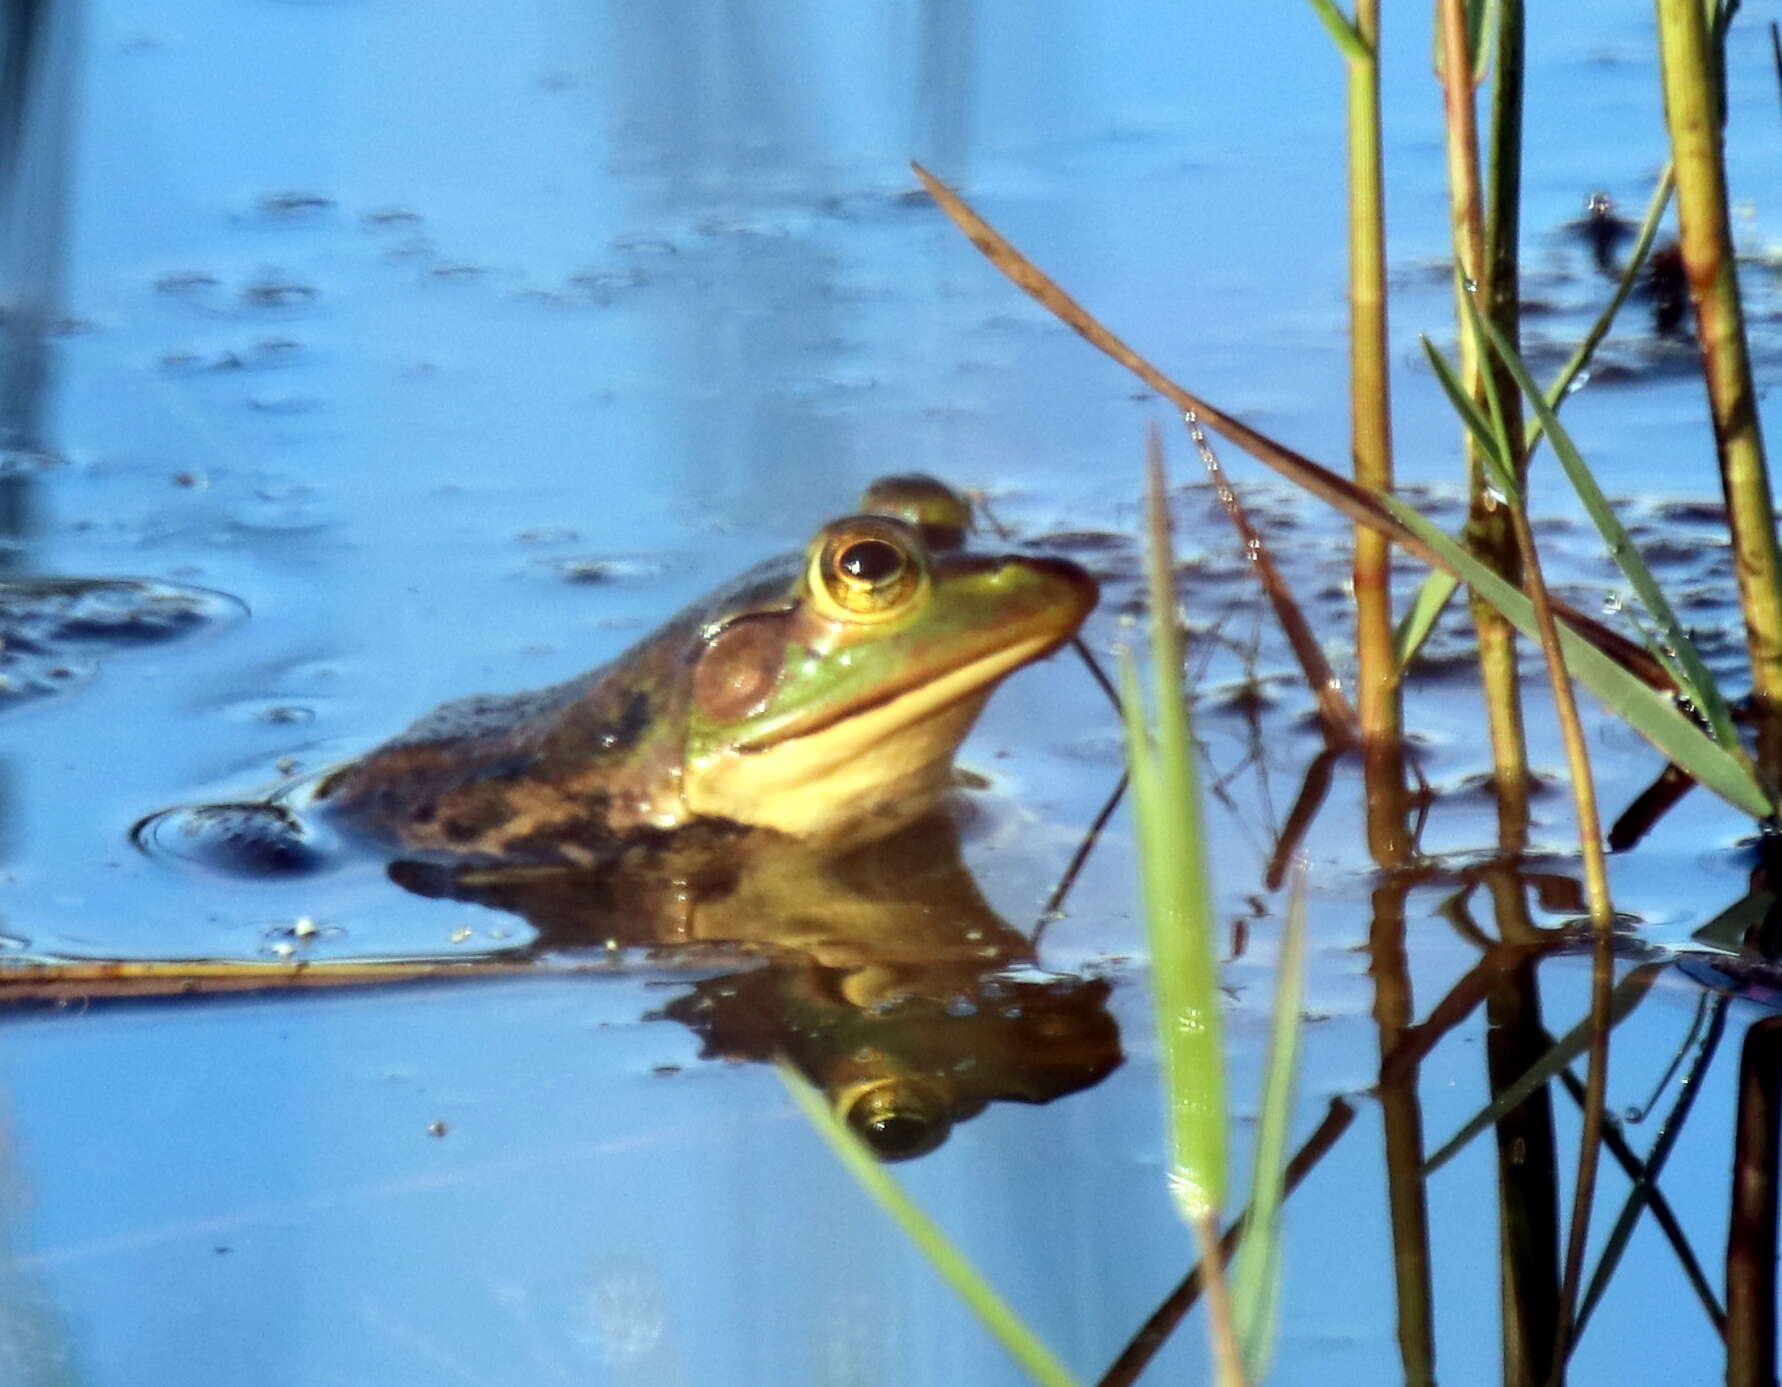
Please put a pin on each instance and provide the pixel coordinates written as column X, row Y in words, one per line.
column 1630, row 695
column 1692, row 112
column 1488, row 530
column 1379, row 709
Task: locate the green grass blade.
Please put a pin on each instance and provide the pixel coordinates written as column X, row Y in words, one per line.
column 1347, row 38
column 1172, row 869
column 1490, row 442
column 1628, row 994
column 1628, row 697
column 1502, row 462
column 1425, row 610
column 1020, row 1342
column 1673, row 647
column 1255, row 1291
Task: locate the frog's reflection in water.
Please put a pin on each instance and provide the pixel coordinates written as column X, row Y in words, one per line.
column 881, row 972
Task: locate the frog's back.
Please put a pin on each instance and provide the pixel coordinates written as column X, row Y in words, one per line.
column 550, row 775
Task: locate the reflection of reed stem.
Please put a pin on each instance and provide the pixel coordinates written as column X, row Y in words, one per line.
column 1527, row 1165
column 1403, row 1118
column 1751, row 1236
column 1692, row 111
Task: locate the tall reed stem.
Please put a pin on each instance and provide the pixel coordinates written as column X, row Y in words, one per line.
column 1692, row 111
column 1488, row 531
column 1377, row 693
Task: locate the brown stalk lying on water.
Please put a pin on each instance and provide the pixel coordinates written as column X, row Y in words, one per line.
column 1354, row 501
column 77, row 981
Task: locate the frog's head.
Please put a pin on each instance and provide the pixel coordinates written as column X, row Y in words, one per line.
column 838, row 714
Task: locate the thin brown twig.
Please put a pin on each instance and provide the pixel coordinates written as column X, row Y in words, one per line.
column 1335, row 712
column 1354, row 501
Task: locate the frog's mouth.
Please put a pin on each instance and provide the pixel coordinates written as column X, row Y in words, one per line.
column 867, row 721
column 864, row 764
column 861, row 770
column 1013, row 630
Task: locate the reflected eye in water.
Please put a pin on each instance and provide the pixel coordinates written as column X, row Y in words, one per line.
column 899, row 1118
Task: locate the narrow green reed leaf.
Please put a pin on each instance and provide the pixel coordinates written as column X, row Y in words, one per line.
column 1425, row 610
column 1172, row 866
column 1628, row 994
column 1256, row 1287
column 1673, row 647
column 1503, row 462
column 1348, row 39
column 993, row 1312
column 1641, row 707
column 1489, row 439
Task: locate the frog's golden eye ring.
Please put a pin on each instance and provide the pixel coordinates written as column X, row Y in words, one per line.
column 868, row 569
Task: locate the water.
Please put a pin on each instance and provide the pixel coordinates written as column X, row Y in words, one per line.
column 459, row 353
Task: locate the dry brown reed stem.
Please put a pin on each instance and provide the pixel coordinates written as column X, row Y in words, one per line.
column 1370, row 444
column 1692, row 112
column 1228, row 1364
column 1488, row 532
column 105, row 979
column 1333, row 489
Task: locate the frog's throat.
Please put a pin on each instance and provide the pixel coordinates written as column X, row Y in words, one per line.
column 874, row 770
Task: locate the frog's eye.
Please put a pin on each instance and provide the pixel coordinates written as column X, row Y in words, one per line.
column 870, row 568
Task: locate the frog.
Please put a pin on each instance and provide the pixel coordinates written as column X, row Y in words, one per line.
column 820, row 696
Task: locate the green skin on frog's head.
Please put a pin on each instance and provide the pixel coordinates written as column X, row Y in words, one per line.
column 820, row 696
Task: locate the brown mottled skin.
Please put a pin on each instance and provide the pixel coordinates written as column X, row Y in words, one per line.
column 819, row 696
column 553, row 775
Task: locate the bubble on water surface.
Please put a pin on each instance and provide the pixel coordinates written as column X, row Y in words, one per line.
column 248, row 839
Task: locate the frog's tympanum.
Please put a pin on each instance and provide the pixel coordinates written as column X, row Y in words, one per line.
column 821, row 696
